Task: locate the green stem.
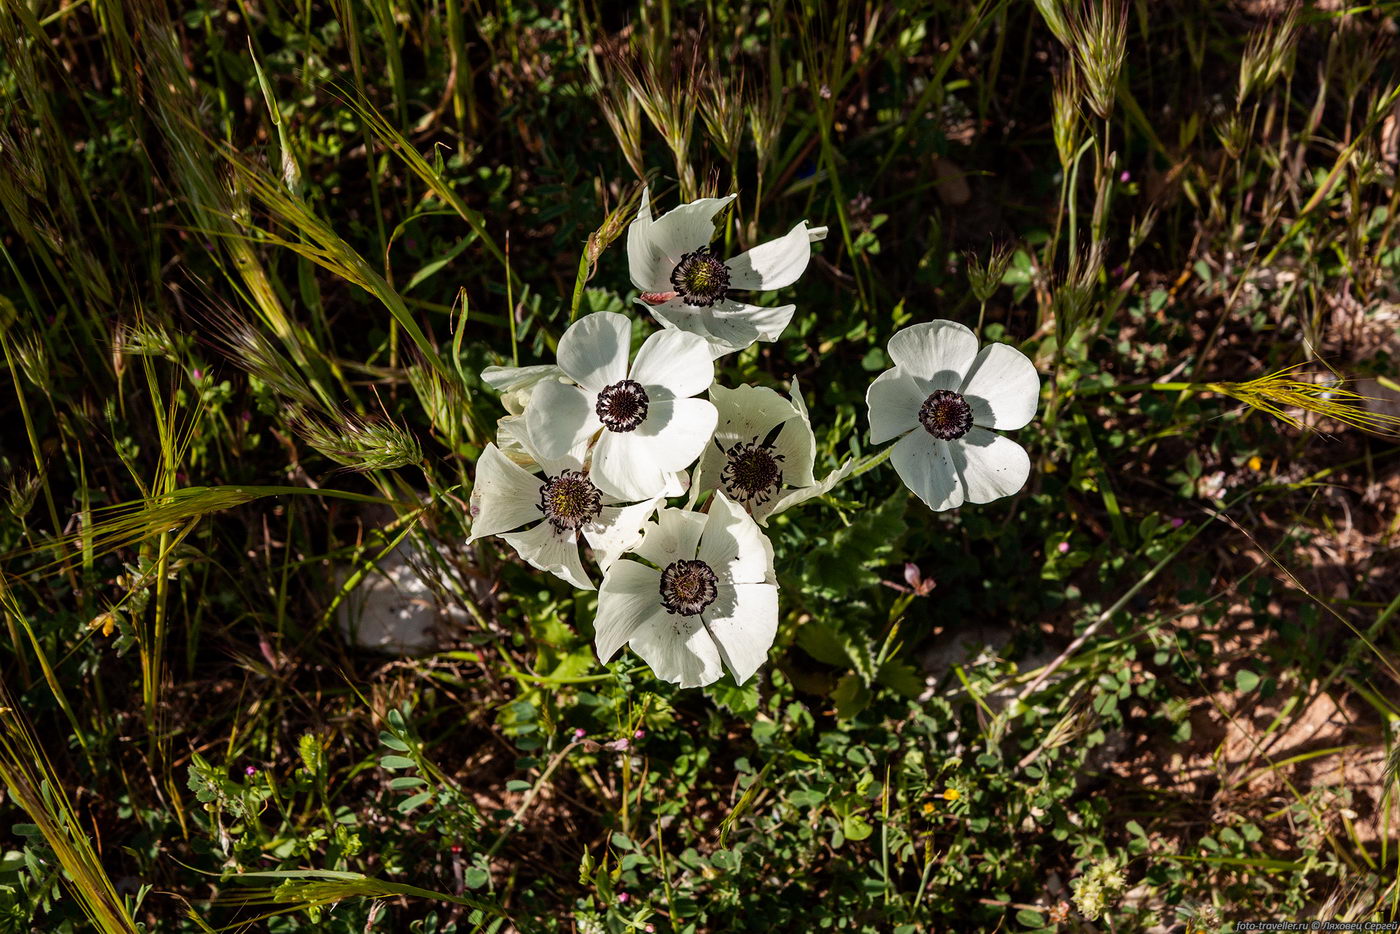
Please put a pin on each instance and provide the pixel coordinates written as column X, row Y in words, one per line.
column 870, row 462
column 1145, row 387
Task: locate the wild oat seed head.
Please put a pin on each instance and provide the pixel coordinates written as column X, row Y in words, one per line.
column 361, row 443
column 1268, row 54
column 1056, row 16
column 1280, row 394
column 1064, row 116
column 986, row 278
column 1100, row 43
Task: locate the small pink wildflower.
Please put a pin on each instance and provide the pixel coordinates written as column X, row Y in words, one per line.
column 1064, row 548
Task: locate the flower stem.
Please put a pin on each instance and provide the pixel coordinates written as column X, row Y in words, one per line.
column 871, row 461
column 1144, row 387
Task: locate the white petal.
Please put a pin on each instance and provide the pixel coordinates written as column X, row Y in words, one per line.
column 678, row 649
column 617, row 530
column 594, row 350
column 893, row 401
column 1002, row 387
column 676, row 484
column 734, row 546
column 792, row 498
column 509, row 378
column 505, row 495
column 685, row 229
column 745, row 633
column 748, row 412
column 559, row 422
column 938, row 352
column 990, row 465
column 511, row 439
column 801, row 458
column 770, row 321
column 642, row 262
column 674, row 536
column 551, row 551
column 799, row 403
column 550, row 463
column 623, row 467
column 816, row 233
column 516, row 383
column 729, row 326
column 926, row 466
column 774, row 264
column 676, row 431
column 676, row 361
column 630, row 597
column 798, row 448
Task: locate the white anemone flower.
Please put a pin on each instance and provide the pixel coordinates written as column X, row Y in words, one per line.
column 710, row 601
column 558, row 507
column 651, row 430
column 942, row 396
column 763, row 452
column 687, row 287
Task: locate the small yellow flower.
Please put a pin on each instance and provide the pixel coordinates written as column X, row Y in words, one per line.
column 929, row 808
column 951, row 794
column 1256, row 463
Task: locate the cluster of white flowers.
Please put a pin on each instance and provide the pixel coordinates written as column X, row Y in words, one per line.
column 594, row 446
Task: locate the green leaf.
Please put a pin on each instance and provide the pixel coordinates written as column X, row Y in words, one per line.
column 1246, row 680
column 396, row 762
column 309, row 748
column 432, row 267
column 900, row 676
column 406, row 781
column 393, row 742
column 1031, row 919
column 740, row 700
column 408, row 804
column 851, row 696
column 822, row 642
column 856, row 827
column 516, row 784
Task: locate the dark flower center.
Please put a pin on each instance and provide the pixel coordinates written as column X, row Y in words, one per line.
column 752, row 472
column 622, row 406
column 700, row 279
column 570, row 500
column 946, row 415
column 687, row 587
